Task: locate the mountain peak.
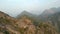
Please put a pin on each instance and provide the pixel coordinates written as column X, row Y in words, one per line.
column 25, row 13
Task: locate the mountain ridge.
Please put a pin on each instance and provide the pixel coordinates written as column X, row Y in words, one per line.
column 27, row 23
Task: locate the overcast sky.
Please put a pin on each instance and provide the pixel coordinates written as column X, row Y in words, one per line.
column 14, row 7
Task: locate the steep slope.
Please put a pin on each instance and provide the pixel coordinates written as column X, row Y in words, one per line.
column 51, row 17
column 6, row 19
column 7, row 23
column 47, row 13
column 55, row 19
column 24, row 25
column 29, row 15
column 46, row 28
column 51, row 11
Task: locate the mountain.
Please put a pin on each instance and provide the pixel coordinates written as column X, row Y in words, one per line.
column 7, row 24
column 48, row 12
column 27, row 27
column 52, row 16
column 31, row 16
column 55, row 19
column 24, row 25
column 25, row 13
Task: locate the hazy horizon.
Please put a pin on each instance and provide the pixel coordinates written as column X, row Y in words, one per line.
column 15, row 7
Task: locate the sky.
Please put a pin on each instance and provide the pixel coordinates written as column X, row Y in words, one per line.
column 15, row 7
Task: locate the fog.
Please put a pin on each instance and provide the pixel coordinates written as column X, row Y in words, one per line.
column 15, row 7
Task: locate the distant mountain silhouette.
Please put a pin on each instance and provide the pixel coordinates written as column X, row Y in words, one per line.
column 25, row 13
column 52, row 16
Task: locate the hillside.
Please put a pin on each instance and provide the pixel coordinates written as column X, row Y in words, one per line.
column 24, row 25
column 51, row 17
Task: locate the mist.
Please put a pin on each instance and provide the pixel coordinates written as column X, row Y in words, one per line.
column 15, row 7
